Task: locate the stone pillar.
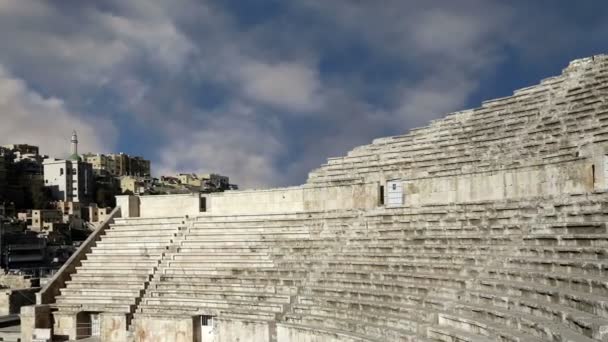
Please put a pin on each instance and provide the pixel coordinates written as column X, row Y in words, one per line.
column 32, row 317
column 66, row 325
column 129, row 205
column 113, row 327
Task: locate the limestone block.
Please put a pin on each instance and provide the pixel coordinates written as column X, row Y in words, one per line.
column 155, row 329
column 65, row 325
column 113, row 327
column 243, row 331
column 34, row 317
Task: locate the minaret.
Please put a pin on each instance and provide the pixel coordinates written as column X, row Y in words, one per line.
column 74, row 143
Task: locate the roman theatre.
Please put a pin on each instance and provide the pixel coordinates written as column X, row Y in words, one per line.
column 486, row 225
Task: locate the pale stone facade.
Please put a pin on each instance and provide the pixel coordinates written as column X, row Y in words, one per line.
column 69, row 180
column 487, row 225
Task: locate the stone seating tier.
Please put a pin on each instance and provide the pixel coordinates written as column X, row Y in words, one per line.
column 521, row 128
column 389, row 274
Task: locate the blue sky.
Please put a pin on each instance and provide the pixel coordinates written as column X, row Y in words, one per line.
column 265, row 91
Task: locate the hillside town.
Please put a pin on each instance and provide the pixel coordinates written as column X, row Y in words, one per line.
column 48, row 207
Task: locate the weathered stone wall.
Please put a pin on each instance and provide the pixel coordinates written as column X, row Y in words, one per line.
column 169, row 205
column 293, row 200
column 32, row 317
column 543, row 180
column 129, row 205
column 244, row 331
column 292, row 333
column 113, row 327
column 568, row 177
column 151, row 329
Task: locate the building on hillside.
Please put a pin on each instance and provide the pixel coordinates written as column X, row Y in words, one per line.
column 132, row 184
column 118, row 165
column 169, row 180
column 39, row 220
column 191, row 179
column 214, row 182
column 206, row 182
column 4, row 166
column 23, row 149
column 102, row 164
column 96, row 214
column 70, row 210
column 70, row 180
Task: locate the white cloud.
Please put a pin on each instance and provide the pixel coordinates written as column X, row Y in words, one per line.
column 233, row 145
column 286, row 85
column 28, row 117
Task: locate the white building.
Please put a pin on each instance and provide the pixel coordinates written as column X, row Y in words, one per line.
column 69, row 180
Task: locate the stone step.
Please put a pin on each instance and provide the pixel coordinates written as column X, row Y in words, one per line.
column 246, row 236
column 129, row 243
column 109, row 277
column 582, row 240
column 83, row 283
column 139, row 236
column 563, row 252
column 126, row 250
column 560, row 266
column 404, row 320
column 389, row 258
column 114, row 270
column 240, row 248
column 111, row 257
column 230, row 279
column 88, row 299
column 152, row 228
column 133, row 263
column 451, row 334
column 194, row 256
column 103, row 292
column 368, row 331
column 218, row 287
column 230, row 243
column 577, row 282
column 94, row 307
column 581, row 322
column 331, row 334
column 219, row 305
column 585, row 302
column 150, row 220
column 526, row 324
column 223, row 295
column 207, row 264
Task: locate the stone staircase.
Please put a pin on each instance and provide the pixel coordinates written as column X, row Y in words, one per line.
column 115, row 274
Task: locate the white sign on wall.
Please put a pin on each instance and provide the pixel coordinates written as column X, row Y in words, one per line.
column 394, row 193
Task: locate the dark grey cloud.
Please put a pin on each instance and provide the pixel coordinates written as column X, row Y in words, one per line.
column 264, row 91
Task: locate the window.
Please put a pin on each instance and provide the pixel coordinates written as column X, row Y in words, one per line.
column 74, row 171
column 61, row 171
column 381, row 195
